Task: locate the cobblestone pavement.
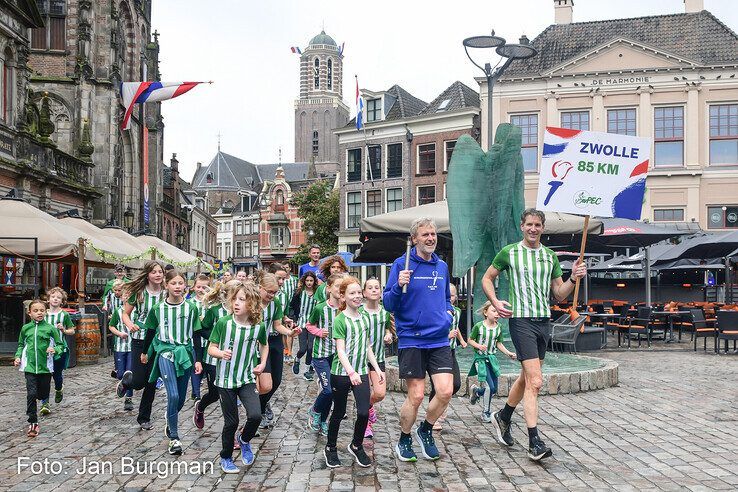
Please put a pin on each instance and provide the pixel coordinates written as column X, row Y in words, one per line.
column 670, row 425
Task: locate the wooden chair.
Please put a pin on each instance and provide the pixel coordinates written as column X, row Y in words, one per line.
column 727, row 329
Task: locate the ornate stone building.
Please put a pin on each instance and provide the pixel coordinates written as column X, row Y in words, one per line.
column 80, row 55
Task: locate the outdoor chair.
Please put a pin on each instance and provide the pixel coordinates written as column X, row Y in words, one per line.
column 698, row 326
column 640, row 325
column 727, row 329
column 564, row 331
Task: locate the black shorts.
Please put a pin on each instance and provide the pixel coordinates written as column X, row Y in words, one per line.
column 530, row 337
column 381, row 366
column 416, row 362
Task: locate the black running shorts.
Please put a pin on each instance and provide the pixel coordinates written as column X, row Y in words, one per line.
column 416, row 362
column 530, row 337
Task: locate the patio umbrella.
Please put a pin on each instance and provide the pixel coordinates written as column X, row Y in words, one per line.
column 170, row 253
column 702, row 247
column 106, row 247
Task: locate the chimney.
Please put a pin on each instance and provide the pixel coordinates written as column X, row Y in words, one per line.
column 693, row 6
column 174, row 163
column 563, row 11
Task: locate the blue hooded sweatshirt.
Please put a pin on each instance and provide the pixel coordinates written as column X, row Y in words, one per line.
column 422, row 315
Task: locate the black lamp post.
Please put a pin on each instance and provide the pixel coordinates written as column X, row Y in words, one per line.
column 509, row 52
column 128, row 218
column 180, row 238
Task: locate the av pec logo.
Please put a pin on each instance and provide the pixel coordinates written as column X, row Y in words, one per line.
column 582, row 199
column 559, row 170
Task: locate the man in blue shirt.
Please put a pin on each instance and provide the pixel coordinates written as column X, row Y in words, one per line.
column 312, row 265
column 423, row 316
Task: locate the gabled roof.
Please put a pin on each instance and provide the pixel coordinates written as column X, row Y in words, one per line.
column 699, row 37
column 293, row 171
column 227, row 173
column 456, row 96
column 406, row 104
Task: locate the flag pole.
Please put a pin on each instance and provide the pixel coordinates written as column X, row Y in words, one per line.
column 366, row 139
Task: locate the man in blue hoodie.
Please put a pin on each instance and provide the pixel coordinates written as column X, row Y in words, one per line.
column 423, row 316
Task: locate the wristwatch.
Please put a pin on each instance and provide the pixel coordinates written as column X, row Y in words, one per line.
column 572, row 279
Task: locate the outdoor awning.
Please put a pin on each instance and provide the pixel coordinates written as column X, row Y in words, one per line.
column 107, row 248
column 22, row 220
column 171, row 254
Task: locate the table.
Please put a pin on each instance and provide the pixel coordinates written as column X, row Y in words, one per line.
column 670, row 315
column 604, row 317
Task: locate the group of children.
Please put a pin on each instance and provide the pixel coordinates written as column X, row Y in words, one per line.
column 233, row 333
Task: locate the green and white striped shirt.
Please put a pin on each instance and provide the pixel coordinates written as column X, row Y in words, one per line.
column 175, row 323
column 530, row 272
column 322, row 316
column 378, row 322
column 116, row 321
column 454, row 342
column 486, row 335
column 142, row 310
column 320, row 295
column 112, row 301
column 272, row 312
column 211, row 317
column 63, row 318
column 289, row 287
column 243, row 341
column 307, row 304
column 355, row 332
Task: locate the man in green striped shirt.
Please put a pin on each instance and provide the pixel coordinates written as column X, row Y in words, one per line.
column 535, row 274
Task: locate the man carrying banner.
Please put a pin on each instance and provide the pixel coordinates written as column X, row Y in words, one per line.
column 534, row 272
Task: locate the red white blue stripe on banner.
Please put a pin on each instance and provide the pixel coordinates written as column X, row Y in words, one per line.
column 154, row 91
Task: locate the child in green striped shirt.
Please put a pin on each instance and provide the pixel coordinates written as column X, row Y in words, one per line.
column 121, row 344
column 350, row 372
column 60, row 319
column 380, row 333
column 38, row 343
column 239, row 343
column 302, row 306
column 486, row 338
column 173, row 340
column 197, row 294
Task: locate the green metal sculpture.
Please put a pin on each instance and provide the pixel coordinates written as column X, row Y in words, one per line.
column 485, row 192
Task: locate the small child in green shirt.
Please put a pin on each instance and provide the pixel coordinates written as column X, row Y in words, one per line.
column 486, row 338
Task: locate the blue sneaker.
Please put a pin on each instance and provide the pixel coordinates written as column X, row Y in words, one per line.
column 404, row 450
column 427, row 444
column 247, row 456
column 228, row 466
column 159, row 383
column 313, row 420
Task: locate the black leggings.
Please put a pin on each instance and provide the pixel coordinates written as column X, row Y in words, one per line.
column 274, row 366
column 457, row 378
column 212, row 395
column 306, row 346
column 141, row 373
column 247, row 394
column 38, row 387
column 341, row 385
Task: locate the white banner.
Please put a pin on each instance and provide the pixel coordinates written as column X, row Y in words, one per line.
column 593, row 173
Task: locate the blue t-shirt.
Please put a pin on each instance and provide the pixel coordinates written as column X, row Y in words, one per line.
column 307, row 267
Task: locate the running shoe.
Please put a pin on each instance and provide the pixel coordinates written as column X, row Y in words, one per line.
column 486, row 417
column 33, row 430
column 175, row 447
column 368, row 433
column 537, row 450
column 45, row 409
column 372, row 415
column 331, row 457
column 228, row 466
column 360, row 456
column 128, row 404
column 265, row 423
column 324, row 428
column 296, row 367
column 404, row 450
column 313, row 420
column 146, row 425
column 247, row 456
column 114, row 374
column 308, row 376
column 198, row 416
column 59, row 395
column 476, row 394
column 427, row 444
column 503, row 430
column 124, row 384
column 268, row 412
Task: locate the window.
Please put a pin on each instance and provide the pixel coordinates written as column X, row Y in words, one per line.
column 353, row 209
column 279, row 238
column 239, row 249
column 52, row 36
column 330, row 74
column 373, row 110
column 375, row 163
column 255, row 226
column 247, row 226
column 353, row 171
column 219, row 249
column 621, row 121
column 725, row 217
column 427, row 158
column 353, row 248
column 668, row 136
column 6, row 112
column 668, row 215
column 373, row 202
column 575, row 120
column 448, row 149
column 254, row 248
column 239, row 228
column 315, row 142
column 724, row 134
column 316, row 74
column 247, row 248
column 528, row 123
column 279, row 198
column 394, row 160
column 394, row 199
column 426, row 194
column 228, row 250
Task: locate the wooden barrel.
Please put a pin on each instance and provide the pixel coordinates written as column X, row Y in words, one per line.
column 88, row 339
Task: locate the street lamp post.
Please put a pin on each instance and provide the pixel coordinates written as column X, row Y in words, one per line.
column 509, row 52
column 180, row 237
column 128, row 218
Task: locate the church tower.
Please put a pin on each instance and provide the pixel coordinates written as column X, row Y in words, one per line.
column 320, row 108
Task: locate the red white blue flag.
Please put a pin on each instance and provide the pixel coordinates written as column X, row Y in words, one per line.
column 154, row 91
column 296, row 49
column 359, row 108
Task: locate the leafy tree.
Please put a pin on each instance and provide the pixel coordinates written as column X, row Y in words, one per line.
column 318, row 206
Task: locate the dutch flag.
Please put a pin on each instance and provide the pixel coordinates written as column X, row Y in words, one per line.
column 359, row 108
column 142, row 92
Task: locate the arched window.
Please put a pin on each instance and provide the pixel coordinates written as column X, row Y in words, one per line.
column 316, row 74
column 8, row 84
column 315, row 142
column 280, row 198
column 330, row 74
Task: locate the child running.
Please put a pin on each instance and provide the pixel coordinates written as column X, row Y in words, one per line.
column 283, row 297
column 302, row 304
column 486, row 338
column 173, row 341
column 320, row 325
column 121, row 343
column 142, row 293
column 349, row 372
column 202, row 285
column 239, row 343
column 38, row 343
column 60, row 319
column 380, row 333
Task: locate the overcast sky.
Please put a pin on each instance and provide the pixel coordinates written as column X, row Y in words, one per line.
column 244, row 47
